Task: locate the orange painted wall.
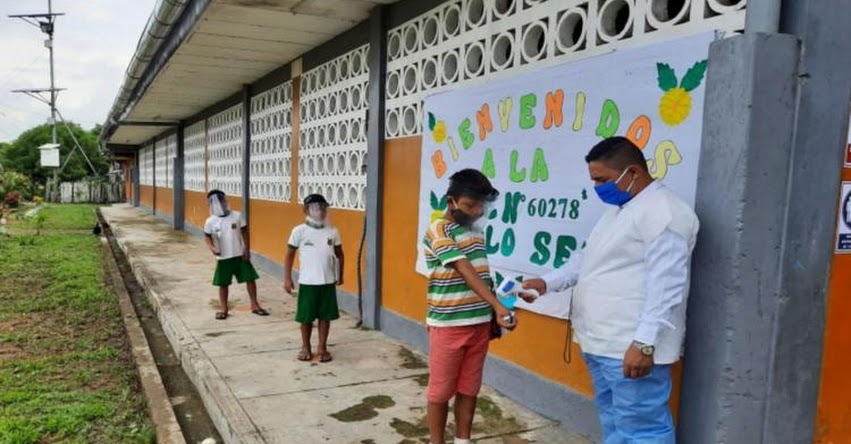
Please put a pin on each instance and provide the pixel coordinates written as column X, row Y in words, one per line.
column 195, row 208
column 272, row 222
column 146, row 195
column 537, row 345
column 833, row 421
column 165, row 200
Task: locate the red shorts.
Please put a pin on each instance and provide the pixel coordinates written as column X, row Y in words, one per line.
column 456, row 360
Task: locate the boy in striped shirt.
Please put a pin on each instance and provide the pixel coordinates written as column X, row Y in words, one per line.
column 460, row 305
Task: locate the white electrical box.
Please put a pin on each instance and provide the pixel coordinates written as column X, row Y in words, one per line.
column 49, row 155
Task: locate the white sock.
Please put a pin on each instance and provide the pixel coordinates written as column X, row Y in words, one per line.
column 463, row 441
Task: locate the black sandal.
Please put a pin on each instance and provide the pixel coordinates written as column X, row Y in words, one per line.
column 260, row 312
column 221, row 315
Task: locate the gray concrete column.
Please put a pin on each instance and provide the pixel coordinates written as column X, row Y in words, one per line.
column 178, row 187
column 246, row 152
column 375, row 165
column 745, row 156
column 769, row 173
column 820, row 136
column 134, row 178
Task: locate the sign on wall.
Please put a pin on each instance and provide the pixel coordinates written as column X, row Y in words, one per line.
column 843, row 225
column 530, row 134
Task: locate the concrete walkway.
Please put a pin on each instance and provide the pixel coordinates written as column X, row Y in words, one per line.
column 245, row 367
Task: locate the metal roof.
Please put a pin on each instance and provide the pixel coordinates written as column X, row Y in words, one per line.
column 213, row 49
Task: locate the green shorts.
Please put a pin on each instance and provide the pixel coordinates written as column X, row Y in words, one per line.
column 226, row 269
column 317, row 302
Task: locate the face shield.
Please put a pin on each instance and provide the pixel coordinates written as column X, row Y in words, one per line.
column 482, row 223
column 218, row 205
column 317, row 214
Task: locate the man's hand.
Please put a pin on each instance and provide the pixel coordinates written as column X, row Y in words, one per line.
column 340, row 281
column 246, row 256
column 288, row 286
column 215, row 251
column 636, row 364
column 528, row 297
column 502, row 314
column 536, row 284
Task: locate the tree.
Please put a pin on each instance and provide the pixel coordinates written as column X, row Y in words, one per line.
column 24, row 157
column 3, row 148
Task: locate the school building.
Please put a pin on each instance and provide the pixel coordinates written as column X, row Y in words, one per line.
column 273, row 100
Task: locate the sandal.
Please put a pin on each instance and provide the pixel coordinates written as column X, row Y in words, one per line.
column 304, row 355
column 325, row 357
column 221, row 315
column 260, row 312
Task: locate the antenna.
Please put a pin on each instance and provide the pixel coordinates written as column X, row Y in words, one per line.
column 45, row 23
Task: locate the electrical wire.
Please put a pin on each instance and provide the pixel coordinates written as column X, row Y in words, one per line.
column 360, row 274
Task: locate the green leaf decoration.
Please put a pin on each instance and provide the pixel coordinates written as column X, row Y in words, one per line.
column 667, row 78
column 498, row 278
column 694, row 76
column 444, row 202
column 435, row 205
column 431, row 121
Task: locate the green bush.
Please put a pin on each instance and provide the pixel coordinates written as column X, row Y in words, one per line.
column 12, row 182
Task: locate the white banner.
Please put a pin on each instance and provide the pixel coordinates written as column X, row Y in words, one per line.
column 530, row 134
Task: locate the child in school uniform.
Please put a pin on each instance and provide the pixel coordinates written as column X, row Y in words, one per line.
column 226, row 235
column 321, row 264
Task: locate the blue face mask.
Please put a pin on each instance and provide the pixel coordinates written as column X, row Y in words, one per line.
column 611, row 194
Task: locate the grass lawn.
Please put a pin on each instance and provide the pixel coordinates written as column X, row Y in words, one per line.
column 60, row 217
column 66, row 374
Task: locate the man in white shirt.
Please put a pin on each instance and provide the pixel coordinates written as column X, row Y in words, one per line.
column 630, row 286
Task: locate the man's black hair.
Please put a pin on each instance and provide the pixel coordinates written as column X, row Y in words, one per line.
column 214, row 192
column 618, row 153
column 471, row 183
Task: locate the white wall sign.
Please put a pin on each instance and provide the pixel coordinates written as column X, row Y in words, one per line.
column 843, row 225
column 530, row 134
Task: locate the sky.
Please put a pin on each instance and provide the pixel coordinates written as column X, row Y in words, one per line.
column 93, row 43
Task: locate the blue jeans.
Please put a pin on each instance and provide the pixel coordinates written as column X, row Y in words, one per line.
column 632, row 411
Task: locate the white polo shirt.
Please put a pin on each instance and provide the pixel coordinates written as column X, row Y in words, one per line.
column 226, row 232
column 318, row 262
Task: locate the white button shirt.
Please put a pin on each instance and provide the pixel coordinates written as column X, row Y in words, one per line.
column 667, row 267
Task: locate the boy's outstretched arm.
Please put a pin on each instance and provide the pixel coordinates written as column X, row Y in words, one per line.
column 338, row 251
column 289, row 258
column 209, row 241
column 471, row 277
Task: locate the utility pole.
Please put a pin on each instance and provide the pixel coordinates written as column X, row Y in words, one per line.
column 45, row 22
column 49, row 44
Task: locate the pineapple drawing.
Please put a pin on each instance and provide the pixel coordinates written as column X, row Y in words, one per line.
column 675, row 105
column 437, row 127
column 438, row 207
